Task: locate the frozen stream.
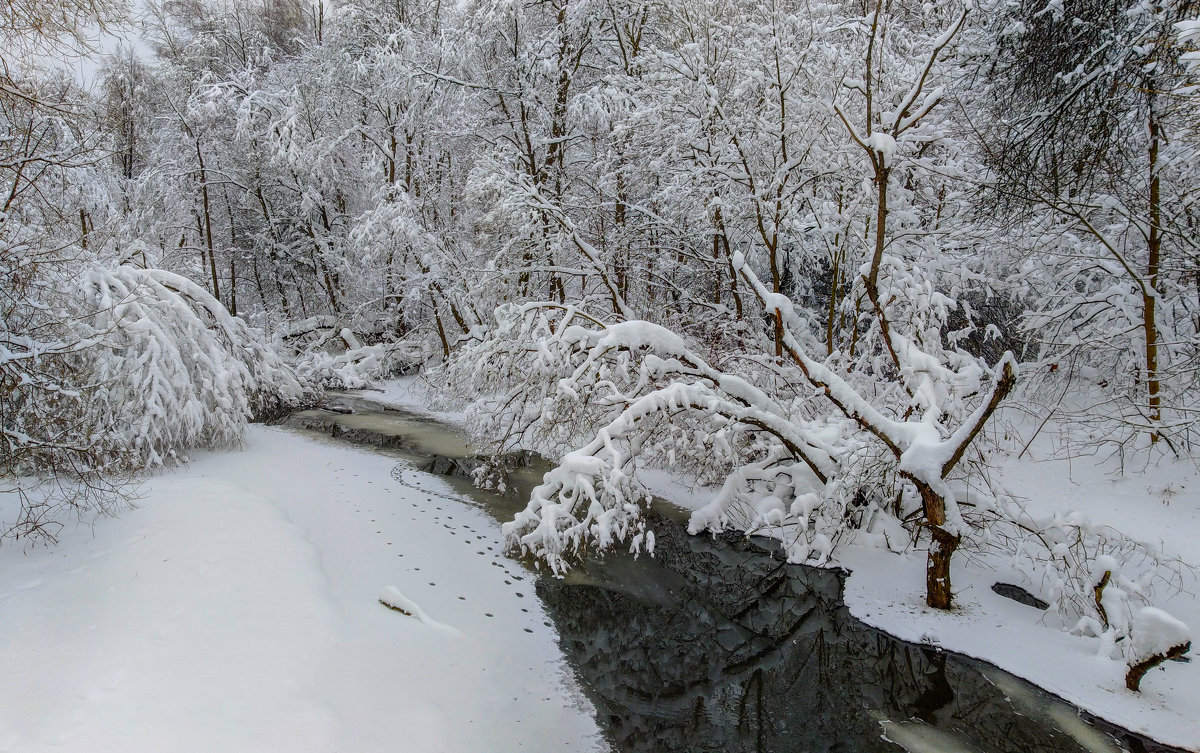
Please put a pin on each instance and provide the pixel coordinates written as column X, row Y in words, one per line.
column 718, row 645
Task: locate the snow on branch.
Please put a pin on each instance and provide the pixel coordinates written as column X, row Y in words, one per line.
column 634, row 394
column 173, row 369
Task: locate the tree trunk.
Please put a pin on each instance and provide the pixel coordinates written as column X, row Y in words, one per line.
column 882, row 174
column 1149, row 298
column 208, row 237
column 437, row 319
column 941, row 548
column 937, row 568
column 233, row 285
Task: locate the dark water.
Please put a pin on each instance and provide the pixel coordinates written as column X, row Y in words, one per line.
column 716, row 644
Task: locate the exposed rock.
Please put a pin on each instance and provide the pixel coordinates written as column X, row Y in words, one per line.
column 1019, row 595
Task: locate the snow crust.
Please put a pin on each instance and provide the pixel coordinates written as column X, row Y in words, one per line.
column 237, row 609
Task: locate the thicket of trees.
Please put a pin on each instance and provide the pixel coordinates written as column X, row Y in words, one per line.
column 804, row 250
column 108, row 362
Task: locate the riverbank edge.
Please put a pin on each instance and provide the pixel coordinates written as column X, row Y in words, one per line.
column 884, row 590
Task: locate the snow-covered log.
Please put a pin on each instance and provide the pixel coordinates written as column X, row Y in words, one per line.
column 1157, row 637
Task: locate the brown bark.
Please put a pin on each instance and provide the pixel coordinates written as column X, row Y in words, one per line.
column 882, row 174
column 1097, row 596
column 937, row 569
column 937, row 566
column 1133, row 678
column 1150, row 295
column 437, row 319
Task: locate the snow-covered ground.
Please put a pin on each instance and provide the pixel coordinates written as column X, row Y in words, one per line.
column 237, row 609
column 1161, row 505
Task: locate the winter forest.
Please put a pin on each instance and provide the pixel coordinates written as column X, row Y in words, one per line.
column 853, row 274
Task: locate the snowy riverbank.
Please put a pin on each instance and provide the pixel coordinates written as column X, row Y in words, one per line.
column 236, row 609
column 887, row 590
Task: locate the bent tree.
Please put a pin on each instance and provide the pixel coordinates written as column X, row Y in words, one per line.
column 872, row 439
column 810, row 465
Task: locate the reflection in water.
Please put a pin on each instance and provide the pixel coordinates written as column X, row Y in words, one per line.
column 716, row 645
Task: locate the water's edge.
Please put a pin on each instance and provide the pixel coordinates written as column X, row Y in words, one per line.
column 717, row 644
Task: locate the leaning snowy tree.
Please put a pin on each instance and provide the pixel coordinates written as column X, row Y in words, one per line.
column 810, row 462
column 42, row 139
column 869, row 438
column 105, row 369
column 135, row 368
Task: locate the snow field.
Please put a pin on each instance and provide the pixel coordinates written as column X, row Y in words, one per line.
column 237, row 609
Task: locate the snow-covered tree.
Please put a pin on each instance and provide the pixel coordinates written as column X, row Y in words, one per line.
column 104, row 368
column 1094, row 152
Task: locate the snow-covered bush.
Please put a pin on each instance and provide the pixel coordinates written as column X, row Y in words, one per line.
column 1093, row 576
column 1100, row 583
column 119, row 370
column 172, row 369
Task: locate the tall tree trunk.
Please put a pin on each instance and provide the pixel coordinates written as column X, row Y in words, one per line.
column 437, row 319
column 208, row 237
column 1150, row 298
column 232, row 285
column 233, row 246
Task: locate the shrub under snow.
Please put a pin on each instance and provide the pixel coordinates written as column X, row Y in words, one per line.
column 130, row 372
column 173, row 368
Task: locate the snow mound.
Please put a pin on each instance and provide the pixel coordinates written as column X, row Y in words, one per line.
column 1155, row 633
column 394, row 600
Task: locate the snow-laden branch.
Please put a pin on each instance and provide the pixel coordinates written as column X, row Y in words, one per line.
column 924, row 456
column 176, row 368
